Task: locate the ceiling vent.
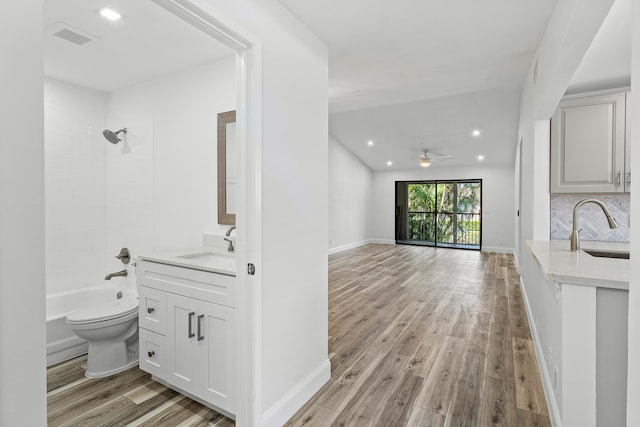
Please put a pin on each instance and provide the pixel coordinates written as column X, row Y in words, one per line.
column 70, row 34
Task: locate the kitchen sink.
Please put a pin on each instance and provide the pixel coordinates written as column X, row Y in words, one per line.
column 607, row 254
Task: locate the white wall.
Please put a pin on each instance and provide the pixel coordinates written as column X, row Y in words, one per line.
column 633, row 385
column 497, row 201
column 162, row 184
column 350, row 198
column 22, row 251
column 567, row 37
column 291, row 268
column 75, row 186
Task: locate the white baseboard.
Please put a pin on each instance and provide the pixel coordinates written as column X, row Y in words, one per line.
column 383, row 241
column 286, row 407
column 497, row 249
column 516, row 262
column 554, row 411
column 348, row 246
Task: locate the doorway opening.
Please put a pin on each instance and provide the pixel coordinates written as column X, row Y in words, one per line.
column 440, row 213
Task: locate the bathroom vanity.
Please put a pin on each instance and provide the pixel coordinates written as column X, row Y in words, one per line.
column 187, row 323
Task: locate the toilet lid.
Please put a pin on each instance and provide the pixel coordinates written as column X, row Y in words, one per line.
column 104, row 311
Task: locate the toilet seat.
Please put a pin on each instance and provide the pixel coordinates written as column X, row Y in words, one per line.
column 102, row 312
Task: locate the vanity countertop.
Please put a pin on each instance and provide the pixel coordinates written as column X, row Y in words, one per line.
column 560, row 265
column 204, row 258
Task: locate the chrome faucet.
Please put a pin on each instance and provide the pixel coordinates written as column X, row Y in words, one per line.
column 122, row 273
column 575, row 234
column 227, row 233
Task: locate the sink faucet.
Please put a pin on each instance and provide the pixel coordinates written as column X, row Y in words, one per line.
column 227, row 233
column 575, row 234
column 122, row 273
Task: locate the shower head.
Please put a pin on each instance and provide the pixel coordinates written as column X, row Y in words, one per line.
column 112, row 136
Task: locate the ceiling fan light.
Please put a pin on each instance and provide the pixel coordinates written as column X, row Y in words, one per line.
column 424, row 162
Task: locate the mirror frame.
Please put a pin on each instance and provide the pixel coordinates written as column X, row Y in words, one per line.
column 224, row 217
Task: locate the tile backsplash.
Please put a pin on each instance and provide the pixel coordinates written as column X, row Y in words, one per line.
column 591, row 218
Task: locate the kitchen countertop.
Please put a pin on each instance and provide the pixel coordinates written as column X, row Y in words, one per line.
column 560, row 265
column 204, row 258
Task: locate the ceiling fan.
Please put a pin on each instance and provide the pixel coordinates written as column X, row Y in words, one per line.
column 425, row 159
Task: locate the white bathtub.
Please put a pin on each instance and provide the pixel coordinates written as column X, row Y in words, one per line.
column 62, row 343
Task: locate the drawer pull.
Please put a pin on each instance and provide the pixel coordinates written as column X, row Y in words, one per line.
column 150, row 310
column 200, row 337
column 151, row 353
column 190, row 332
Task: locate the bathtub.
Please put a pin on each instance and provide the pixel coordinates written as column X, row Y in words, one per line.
column 62, row 343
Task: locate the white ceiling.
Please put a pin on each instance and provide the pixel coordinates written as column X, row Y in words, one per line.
column 148, row 43
column 406, row 74
column 423, row 74
column 607, row 63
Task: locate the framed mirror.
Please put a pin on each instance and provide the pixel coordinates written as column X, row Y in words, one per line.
column 227, row 168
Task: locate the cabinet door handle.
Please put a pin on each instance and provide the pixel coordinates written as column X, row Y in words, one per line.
column 618, row 179
column 628, row 178
column 191, row 334
column 150, row 310
column 151, row 353
column 200, row 337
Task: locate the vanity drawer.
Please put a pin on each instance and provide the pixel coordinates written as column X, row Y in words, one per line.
column 203, row 285
column 153, row 309
column 153, row 349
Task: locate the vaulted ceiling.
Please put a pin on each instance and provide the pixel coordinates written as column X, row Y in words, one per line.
column 407, row 75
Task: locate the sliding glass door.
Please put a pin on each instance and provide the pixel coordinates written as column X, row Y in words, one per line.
column 439, row 213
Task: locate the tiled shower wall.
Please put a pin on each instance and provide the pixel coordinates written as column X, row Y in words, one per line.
column 591, row 218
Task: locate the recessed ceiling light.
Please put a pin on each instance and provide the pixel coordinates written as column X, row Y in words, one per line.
column 476, row 132
column 481, row 157
column 389, row 163
column 110, row 14
column 370, row 143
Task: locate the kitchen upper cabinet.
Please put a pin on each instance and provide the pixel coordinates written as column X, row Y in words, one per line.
column 590, row 144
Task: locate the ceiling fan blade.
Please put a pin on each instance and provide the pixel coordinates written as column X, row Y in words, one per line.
column 440, row 157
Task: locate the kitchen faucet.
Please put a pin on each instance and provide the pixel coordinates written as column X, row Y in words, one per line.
column 575, row 234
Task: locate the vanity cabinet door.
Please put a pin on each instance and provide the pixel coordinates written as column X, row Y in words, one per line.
column 588, row 145
column 217, row 354
column 182, row 343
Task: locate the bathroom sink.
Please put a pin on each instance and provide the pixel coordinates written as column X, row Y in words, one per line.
column 607, row 254
column 207, row 256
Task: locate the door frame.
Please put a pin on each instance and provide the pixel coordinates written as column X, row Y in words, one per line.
column 248, row 217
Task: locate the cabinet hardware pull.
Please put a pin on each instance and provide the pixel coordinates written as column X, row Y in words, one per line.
column 151, row 353
column 200, row 337
column 191, row 334
column 628, row 178
column 150, row 310
column 618, row 179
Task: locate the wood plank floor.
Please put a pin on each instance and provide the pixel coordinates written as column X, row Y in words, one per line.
column 427, row 337
column 130, row 398
column 418, row 337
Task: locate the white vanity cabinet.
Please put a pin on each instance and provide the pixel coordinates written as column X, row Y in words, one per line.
column 590, row 144
column 187, row 328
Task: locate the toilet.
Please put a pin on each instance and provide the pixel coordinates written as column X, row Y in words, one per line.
column 111, row 330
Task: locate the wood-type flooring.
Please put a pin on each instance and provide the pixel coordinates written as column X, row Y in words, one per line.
column 417, row 337
column 427, row 337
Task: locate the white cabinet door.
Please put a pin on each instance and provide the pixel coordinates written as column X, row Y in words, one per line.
column 182, row 343
column 217, row 350
column 627, row 146
column 588, row 145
